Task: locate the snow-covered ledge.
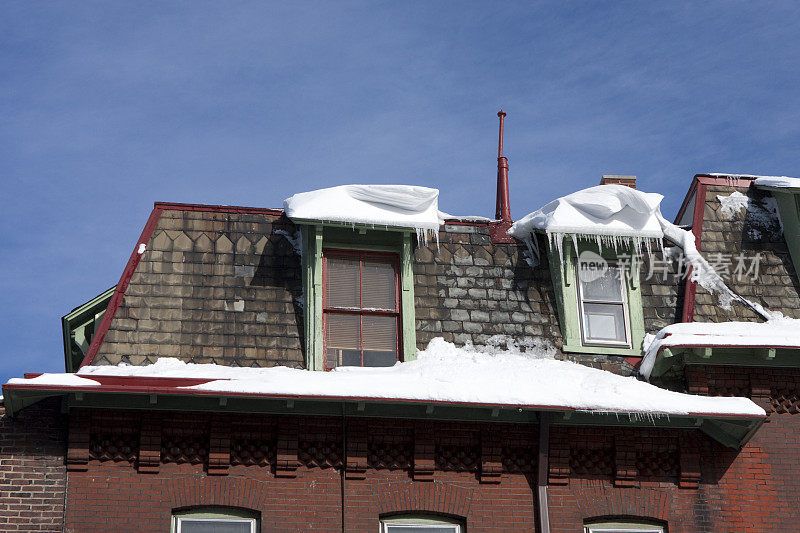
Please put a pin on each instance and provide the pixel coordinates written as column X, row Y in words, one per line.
column 774, row 342
column 507, row 383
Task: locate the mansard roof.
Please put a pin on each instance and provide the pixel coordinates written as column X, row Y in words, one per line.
column 222, row 284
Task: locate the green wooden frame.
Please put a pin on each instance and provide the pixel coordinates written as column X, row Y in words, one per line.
column 671, row 360
column 318, row 236
column 564, row 275
column 76, row 325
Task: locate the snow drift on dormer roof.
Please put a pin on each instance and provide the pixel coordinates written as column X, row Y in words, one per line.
column 612, row 210
column 405, row 206
column 778, row 181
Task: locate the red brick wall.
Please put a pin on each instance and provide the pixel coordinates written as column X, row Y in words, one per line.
column 32, row 472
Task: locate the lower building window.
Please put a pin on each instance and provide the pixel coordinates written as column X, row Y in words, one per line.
column 361, row 304
column 623, row 527
column 214, row 520
column 420, row 524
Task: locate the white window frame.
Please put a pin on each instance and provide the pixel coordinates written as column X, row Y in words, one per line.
column 213, row 515
column 625, row 313
column 429, row 522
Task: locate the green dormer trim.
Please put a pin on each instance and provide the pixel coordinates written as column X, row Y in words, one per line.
column 671, row 360
column 78, row 327
column 318, row 236
column 564, row 274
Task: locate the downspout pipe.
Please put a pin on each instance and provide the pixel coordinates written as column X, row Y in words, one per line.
column 542, row 470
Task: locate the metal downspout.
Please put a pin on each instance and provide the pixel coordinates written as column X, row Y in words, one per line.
column 541, row 474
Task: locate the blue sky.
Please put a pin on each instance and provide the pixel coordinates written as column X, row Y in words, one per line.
column 107, row 107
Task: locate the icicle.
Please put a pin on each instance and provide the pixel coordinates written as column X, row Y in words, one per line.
column 575, row 243
column 560, row 245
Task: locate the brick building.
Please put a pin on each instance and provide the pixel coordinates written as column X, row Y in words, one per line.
column 252, row 288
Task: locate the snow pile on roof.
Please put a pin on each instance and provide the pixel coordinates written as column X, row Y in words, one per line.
column 778, row 181
column 405, row 206
column 68, row 380
column 610, row 213
column 446, row 373
column 777, row 332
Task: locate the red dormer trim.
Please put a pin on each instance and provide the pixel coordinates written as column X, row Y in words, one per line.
column 122, row 286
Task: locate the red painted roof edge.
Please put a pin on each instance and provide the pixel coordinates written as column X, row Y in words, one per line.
column 148, row 387
column 122, row 286
column 690, row 289
column 706, row 179
column 218, row 208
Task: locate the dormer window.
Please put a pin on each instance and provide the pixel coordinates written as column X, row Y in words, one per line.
column 603, row 308
column 361, row 308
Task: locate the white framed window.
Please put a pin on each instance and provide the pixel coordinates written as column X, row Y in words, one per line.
column 603, row 309
column 420, row 524
column 214, row 520
column 622, row 527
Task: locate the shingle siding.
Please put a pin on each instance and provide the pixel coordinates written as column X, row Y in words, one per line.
column 468, row 290
column 662, row 295
column 776, row 287
column 212, row 288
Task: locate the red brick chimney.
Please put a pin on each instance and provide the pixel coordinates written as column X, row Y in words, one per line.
column 610, row 179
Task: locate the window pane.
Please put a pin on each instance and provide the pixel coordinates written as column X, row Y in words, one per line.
column 378, row 279
column 214, row 526
column 342, row 280
column 607, row 288
column 380, row 340
column 343, row 340
column 604, row 322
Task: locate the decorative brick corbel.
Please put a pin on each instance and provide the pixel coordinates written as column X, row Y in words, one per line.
column 356, row 453
column 219, row 449
column 625, row 472
column 558, row 470
column 286, row 461
column 761, row 393
column 689, row 457
column 150, row 443
column 491, row 457
column 78, row 443
column 424, row 451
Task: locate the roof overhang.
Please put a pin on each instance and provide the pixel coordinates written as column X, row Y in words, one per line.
column 173, row 394
column 671, row 359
